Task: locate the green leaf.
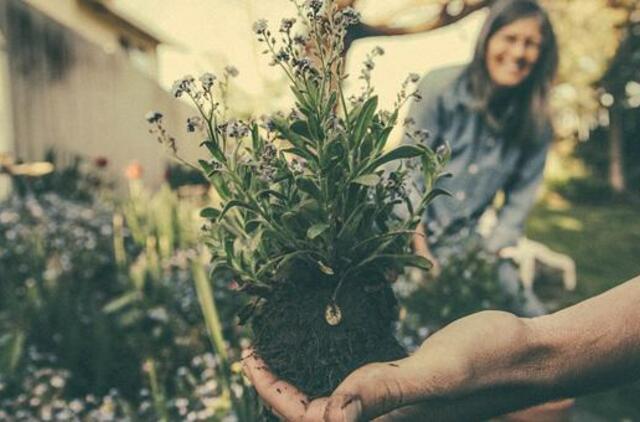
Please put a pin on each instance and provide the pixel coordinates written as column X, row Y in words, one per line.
column 403, row 151
column 251, row 225
column 367, row 180
column 308, row 187
column 270, row 192
column 232, row 204
column 364, row 119
column 288, row 134
column 208, row 168
column 381, row 139
column 220, row 185
column 210, row 213
column 432, row 195
column 301, row 128
column 214, row 149
column 255, row 240
column 412, row 261
column 255, row 139
column 331, row 103
column 281, row 260
column 325, row 268
column 303, row 153
column 316, row 230
column 121, row 302
column 384, row 236
column 405, row 260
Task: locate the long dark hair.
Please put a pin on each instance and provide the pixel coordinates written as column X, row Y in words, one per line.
column 525, row 111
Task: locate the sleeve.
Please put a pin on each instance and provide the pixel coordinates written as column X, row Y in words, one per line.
column 520, row 194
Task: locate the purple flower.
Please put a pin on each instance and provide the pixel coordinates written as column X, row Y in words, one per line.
column 153, row 116
column 260, row 26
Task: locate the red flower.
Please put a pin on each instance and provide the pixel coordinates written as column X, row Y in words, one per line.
column 133, row 171
column 101, row 162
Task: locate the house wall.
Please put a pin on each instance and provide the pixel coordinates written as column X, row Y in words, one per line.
column 101, row 29
column 6, row 122
column 68, row 93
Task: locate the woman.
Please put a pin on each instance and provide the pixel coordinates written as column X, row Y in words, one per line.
column 493, row 115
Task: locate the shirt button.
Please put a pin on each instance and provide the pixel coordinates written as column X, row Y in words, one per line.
column 460, row 195
column 473, row 169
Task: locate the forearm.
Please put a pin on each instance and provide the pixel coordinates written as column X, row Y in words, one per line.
column 492, row 363
column 519, row 363
column 595, row 344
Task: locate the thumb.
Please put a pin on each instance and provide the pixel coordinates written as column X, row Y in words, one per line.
column 370, row 391
column 343, row 408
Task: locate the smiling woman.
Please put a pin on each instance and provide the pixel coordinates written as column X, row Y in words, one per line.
column 492, row 113
column 513, row 52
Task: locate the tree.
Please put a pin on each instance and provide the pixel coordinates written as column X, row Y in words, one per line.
column 439, row 14
column 598, row 47
column 623, row 71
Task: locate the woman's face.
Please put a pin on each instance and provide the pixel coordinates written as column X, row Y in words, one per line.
column 513, row 51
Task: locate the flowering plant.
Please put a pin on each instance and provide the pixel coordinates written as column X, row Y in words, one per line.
column 308, row 200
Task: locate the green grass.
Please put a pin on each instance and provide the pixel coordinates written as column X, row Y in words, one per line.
column 604, row 241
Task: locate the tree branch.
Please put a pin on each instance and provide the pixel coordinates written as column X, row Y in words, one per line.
column 444, row 18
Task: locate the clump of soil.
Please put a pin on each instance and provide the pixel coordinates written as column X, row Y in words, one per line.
column 294, row 339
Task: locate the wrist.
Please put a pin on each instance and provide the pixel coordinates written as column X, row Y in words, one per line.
column 504, row 351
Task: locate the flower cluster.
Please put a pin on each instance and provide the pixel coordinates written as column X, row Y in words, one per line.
column 394, row 183
column 195, row 123
column 207, row 79
column 157, row 128
column 289, row 187
column 236, row 129
column 365, row 75
column 404, row 94
column 186, row 84
column 267, row 165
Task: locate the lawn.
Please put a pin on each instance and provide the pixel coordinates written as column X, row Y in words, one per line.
column 605, row 244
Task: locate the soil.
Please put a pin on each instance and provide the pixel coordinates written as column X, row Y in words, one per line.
column 293, row 338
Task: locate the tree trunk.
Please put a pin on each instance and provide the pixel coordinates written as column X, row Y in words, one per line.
column 616, row 159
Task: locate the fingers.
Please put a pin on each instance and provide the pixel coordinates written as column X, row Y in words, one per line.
column 343, row 408
column 286, row 401
column 368, row 392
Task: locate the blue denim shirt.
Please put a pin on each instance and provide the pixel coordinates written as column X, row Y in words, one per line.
column 480, row 166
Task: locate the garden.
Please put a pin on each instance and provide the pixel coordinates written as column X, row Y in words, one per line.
column 125, row 301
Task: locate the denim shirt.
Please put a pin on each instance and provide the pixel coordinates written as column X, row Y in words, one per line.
column 480, row 166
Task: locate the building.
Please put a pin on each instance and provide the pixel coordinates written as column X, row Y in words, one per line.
column 77, row 76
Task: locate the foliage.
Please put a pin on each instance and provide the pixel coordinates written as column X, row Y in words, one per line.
column 179, row 175
column 312, row 189
column 113, row 289
column 468, row 283
column 587, row 39
column 73, row 178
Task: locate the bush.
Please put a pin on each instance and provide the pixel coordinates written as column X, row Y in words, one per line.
column 99, row 309
column 468, row 283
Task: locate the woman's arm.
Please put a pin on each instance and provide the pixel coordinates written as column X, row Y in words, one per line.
column 520, row 194
column 421, row 247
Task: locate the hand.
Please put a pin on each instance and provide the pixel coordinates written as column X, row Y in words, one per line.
column 281, row 398
column 440, row 369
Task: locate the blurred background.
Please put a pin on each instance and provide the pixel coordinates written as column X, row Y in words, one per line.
column 105, row 307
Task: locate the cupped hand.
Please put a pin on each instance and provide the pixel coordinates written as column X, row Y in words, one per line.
column 456, row 361
column 370, row 392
